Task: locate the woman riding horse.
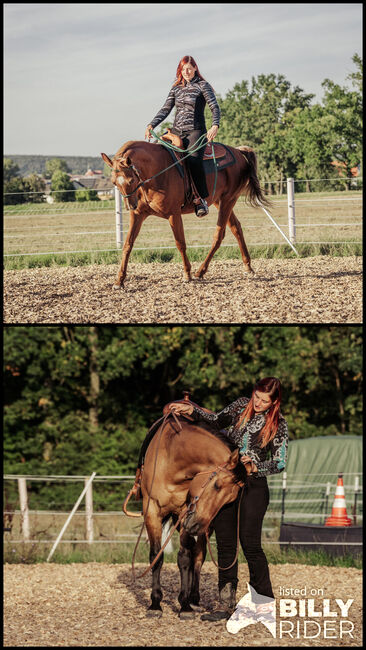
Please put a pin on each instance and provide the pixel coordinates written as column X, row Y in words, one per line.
column 189, row 94
column 258, row 428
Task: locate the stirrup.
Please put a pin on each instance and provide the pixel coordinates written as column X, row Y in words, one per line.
column 201, row 209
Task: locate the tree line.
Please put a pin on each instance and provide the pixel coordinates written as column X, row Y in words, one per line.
column 82, row 398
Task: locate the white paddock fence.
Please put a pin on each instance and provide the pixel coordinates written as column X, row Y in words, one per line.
column 306, row 498
column 61, row 228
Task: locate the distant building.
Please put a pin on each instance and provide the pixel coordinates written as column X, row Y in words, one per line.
column 93, row 180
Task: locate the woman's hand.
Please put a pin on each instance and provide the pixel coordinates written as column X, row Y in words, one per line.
column 211, row 134
column 249, row 465
column 180, row 408
column 148, row 132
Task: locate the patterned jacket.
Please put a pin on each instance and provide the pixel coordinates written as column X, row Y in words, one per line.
column 246, row 436
column 190, row 101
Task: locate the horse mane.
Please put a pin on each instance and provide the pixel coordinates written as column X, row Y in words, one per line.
column 131, row 144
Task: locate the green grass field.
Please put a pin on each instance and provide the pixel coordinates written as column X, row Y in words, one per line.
column 77, row 233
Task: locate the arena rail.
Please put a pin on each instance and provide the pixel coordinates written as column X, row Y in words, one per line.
column 44, row 232
column 281, row 507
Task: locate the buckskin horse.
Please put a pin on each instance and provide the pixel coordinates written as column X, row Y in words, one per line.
column 189, row 473
column 136, row 172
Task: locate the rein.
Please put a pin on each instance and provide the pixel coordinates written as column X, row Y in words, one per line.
column 190, row 150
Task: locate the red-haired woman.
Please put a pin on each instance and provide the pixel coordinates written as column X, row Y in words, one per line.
column 189, row 94
column 257, row 427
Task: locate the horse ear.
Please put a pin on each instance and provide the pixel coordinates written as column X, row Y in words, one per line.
column 107, row 160
column 233, row 459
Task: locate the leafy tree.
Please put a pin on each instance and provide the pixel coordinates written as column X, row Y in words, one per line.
column 86, row 195
column 10, row 169
column 344, row 110
column 15, row 192
column 36, row 187
column 55, row 165
column 61, row 186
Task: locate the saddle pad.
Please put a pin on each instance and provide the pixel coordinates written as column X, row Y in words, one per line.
column 225, row 159
column 220, row 151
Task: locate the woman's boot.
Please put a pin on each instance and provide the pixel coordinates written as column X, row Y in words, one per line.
column 226, row 605
column 201, row 207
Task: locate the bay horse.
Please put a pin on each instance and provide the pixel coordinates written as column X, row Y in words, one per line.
column 134, row 165
column 186, row 464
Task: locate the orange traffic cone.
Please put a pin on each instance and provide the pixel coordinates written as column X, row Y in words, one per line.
column 339, row 512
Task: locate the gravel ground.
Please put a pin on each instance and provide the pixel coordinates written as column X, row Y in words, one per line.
column 99, row 605
column 311, row 290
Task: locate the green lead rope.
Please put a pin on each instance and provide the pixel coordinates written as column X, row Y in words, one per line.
column 201, row 142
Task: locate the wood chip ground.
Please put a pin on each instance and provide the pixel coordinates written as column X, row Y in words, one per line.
column 98, row 605
column 311, row 290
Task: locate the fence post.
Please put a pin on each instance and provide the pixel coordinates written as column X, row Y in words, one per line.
column 23, row 498
column 291, row 210
column 89, row 511
column 356, row 489
column 283, row 496
column 90, row 480
column 327, row 492
column 119, row 223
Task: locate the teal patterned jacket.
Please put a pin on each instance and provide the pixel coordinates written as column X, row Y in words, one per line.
column 246, row 436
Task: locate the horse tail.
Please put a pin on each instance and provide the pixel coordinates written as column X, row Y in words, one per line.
column 254, row 194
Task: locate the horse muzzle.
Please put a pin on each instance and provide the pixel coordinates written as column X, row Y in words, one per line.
column 192, row 524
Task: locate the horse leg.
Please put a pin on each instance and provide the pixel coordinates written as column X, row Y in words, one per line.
column 185, row 567
column 236, row 229
column 176, row 225
column 199, row 554
column 223, row 216
column 154, row 530
column 136, row 221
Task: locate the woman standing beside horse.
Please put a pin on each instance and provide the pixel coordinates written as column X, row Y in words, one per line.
column 189, row 95
column 257, row 427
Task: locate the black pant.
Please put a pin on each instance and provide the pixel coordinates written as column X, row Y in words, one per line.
column 253, row 507
column 195, row 161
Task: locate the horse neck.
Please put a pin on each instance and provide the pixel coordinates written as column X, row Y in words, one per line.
column 199, row 449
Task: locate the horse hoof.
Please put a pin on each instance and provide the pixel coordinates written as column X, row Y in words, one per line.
column 118, row 286
column 186, row 616
column 197, row 608
column 154, row 613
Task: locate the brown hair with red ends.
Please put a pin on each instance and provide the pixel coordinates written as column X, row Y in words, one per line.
column 272, row 386
column 179, row 77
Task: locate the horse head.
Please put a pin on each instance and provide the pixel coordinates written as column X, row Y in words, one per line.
column 210, row 490
column 124, row 176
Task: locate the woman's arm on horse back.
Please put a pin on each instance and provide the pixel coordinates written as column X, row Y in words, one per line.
column 225, row 418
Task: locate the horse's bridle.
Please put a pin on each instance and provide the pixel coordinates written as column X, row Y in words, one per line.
column 219, row 468
column 140, row 183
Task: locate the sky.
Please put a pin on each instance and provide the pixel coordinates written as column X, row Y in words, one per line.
column 81, row 78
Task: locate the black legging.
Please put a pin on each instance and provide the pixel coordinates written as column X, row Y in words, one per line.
column 253, row 507
column 195, row 161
